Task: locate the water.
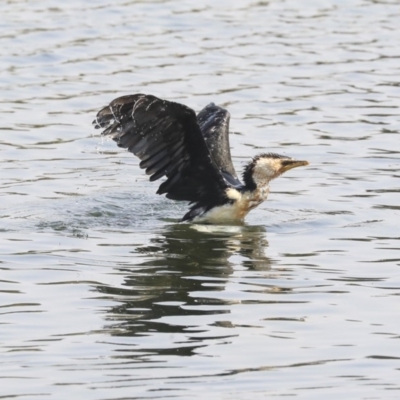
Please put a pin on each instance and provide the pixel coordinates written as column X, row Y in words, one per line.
column 105, row 296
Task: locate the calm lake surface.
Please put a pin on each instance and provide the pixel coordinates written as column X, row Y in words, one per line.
column 104, row 295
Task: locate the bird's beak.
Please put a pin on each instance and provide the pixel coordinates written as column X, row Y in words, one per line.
column 289, row 164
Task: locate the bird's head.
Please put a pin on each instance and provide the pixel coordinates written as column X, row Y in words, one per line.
column 265, row 167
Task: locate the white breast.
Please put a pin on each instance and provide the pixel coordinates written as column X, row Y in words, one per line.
column 236, row 211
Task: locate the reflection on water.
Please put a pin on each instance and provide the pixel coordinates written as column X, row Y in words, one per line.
column 182, row 260
column 104, row 295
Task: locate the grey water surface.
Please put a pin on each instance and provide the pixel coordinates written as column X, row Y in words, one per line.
column 104, row 295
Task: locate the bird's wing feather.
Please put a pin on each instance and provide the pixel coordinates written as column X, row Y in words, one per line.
column 214, row 125
column 167, row 139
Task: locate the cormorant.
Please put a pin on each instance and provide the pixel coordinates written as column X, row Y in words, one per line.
column 193, row 153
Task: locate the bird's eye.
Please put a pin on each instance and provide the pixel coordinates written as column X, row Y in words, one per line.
column 286, row 162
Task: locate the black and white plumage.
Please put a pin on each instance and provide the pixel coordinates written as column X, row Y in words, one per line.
column 193, row 153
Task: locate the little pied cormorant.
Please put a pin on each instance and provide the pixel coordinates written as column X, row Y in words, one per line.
column 193, row 153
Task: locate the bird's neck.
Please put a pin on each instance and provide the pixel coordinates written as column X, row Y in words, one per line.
column 259, row 187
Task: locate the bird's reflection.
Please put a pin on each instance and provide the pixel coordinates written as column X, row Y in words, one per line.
column 180, row 263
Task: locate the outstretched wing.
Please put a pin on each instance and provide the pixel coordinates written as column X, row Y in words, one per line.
column 167, row 139
column 214, row 125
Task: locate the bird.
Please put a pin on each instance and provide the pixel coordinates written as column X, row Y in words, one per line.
column 193, row 153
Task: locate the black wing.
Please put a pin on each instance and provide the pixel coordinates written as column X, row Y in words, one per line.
column 214, row 124
column 167, row 138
